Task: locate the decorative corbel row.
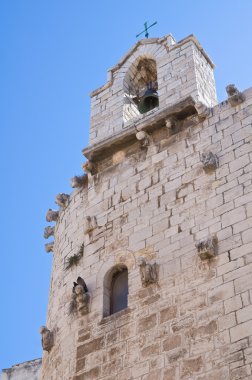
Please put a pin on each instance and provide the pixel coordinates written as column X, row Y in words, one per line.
column 62, row 199
column 48, row 231
column 207, row 247
column 210, row 161
column 47, row 338
column 235, row 97
column 148, row 272
column 49, row 247
column 52, row 215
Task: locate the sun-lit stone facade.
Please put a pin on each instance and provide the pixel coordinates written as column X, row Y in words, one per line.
column 183, row 234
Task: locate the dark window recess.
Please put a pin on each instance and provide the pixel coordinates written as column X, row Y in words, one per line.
column 119, row 291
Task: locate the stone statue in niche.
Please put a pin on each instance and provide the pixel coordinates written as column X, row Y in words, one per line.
column 144, row 138
column 235, row 97
column 79, row 181
column 210, row 161
column 46, row 338
column 48, row 231
column 90, row 224
column 148, row 271
column 207, row 247
column 202, row 110
column 49, row 247
column 89, row 167
column 80, row 297
column 62, row 199
column 52, row 215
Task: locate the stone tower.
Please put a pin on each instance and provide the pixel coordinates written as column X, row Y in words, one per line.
column 152, row 263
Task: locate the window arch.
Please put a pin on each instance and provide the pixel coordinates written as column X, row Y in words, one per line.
column 140, row 88
column 115, row 290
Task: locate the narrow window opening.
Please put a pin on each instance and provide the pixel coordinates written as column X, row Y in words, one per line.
column 119, row 291
column 115, row 292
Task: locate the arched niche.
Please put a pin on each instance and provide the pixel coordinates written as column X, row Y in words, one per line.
column 140, row 88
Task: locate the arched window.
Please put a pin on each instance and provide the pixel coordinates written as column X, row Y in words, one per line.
column 140, row 88
column 119, row 291
column 116, row 290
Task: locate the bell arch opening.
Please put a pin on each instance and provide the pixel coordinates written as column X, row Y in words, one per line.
column 140, row 88
column 115, row 296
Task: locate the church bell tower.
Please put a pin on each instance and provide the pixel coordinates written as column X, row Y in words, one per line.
column 150, row 277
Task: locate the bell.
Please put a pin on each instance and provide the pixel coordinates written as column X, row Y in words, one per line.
column 148, row 101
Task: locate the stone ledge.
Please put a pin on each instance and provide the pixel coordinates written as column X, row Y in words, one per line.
column 115, row 316
column 150, row 122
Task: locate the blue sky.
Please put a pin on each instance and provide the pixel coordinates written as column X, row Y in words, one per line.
column 53, row 54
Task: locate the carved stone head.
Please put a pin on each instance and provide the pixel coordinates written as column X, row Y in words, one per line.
column 46, row 338
column 141, row 262
column 78, row 181
column 49, row 247
column 148, row 272
column 52, row 215
column 79, row 289
column 89, row 167
column 235, row 97
column 210, row 161
column 48, row 231
column 231, row 90
column 62, row 199
column 207, row 247
column 143, row 137
column 90, row 224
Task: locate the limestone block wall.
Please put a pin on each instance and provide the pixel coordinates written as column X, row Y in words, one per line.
column 183, row 69
column 204, row 78
column 195, row 323
column 23, row 371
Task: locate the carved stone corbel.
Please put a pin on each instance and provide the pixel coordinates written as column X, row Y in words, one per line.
column 90, row 224
column 171, row 123
column 148, row 272
column 207, row 247
column 235, row 97
column 48, row 231
column 79, row 181
column 47, row 338
column 52, row 215
column 144, row 138
column 202, row 110
column 89, row 167
column 49, row 247
column 62, row 199
column 210, row 161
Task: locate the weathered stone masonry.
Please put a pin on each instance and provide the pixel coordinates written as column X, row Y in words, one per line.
column 158, row 203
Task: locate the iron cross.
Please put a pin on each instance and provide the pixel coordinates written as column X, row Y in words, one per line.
column 146, row 29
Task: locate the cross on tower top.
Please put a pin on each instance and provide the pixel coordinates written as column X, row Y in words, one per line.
column 146, row 29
